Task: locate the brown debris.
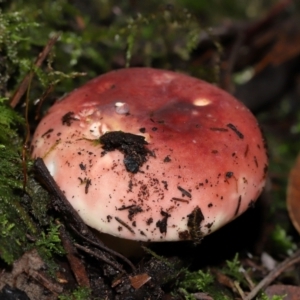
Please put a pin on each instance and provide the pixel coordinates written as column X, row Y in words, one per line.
column 28, row 267
column 139, row 280
column 131, row 145
column 225, row 280
column 286, row 45
column 202, row 296
column 289, row 292
column 293, row 195
column 194, row 224
column 290, row 261
column 76, row 263
column 68, row 118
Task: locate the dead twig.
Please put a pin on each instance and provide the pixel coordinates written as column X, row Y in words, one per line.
column 75, row 262
column 270, row 17
column 239, row 289
column 27, row 135
column 101, row 246
column 25, row 82
column 96, row 254
column 226, row 78
column 290, row 261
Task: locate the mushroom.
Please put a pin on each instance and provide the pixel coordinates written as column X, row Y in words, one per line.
column 152, row 155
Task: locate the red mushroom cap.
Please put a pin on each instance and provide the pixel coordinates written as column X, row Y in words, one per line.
column 153, row 155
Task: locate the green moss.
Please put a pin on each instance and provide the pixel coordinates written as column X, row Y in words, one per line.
column 200, row 281
column 178, row 36
column 282, row 242
column 233, row 269
column 23, row 202
column 81, row 293
column 263, row 296
column 205, row 281
column 50, row 242
column 9, row 119
column 14, row 46
column 197, row 281
column 12, row 237
column 38, row 202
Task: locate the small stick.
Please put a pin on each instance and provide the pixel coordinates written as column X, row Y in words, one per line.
column 75, row 262
column 226, row 78
column 105, row 248
column 249, row 280
column 25, row 82
column 101, row 257
column 294, row 259
column 239, row 289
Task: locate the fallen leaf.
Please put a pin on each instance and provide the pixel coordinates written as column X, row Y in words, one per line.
column 293, row 195
column 289, row 291
column 202, row 296
column 139, row 280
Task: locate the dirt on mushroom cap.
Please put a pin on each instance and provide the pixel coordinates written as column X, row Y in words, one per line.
column 205, row 160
